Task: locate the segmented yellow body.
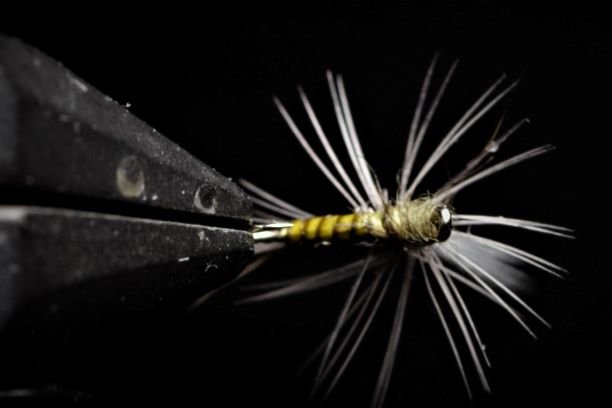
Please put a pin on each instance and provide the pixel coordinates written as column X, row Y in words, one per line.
column 329, row 228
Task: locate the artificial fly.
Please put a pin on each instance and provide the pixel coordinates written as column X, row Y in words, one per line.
column 404, row 235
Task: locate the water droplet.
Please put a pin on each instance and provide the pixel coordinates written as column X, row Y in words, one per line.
column 130, row 177
column 205, row 199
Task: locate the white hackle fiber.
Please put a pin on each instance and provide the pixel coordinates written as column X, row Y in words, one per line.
column 489, row 267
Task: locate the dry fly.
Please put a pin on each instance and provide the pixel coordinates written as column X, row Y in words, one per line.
column 405, row 234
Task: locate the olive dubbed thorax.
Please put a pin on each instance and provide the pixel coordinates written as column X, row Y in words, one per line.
column 418, row 222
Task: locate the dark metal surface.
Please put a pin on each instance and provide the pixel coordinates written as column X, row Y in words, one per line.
column 127, row 262
column 58, row 134
column 98, row 210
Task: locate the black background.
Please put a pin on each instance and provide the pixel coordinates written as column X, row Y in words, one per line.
column 206, row 83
